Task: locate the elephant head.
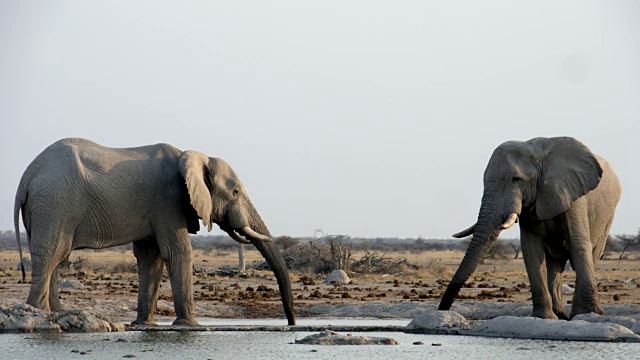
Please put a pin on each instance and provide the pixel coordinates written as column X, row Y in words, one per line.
column 218, row 196
column 538, row 180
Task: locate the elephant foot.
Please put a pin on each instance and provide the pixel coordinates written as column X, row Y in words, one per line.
column 54, row 304
column 43, row 305
column 578, row 309
column 144, row 322
column 183, row 321
column 561, row 314
column 544, row 314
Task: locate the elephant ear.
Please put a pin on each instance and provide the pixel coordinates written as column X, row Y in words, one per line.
column 569, row 171
column 195, row 171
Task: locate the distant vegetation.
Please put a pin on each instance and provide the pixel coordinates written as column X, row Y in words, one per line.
column 225, row 243
column 334, row 249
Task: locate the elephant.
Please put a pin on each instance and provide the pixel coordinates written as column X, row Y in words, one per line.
column 564, row 197
column 78, row 194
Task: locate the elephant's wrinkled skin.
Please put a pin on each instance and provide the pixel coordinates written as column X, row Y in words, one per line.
column 565, row 197
column 77, row 194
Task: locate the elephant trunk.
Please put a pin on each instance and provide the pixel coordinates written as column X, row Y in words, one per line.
column 276, row 262
column 485, row 233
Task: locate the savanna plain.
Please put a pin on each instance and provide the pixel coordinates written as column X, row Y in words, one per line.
column 105, row 281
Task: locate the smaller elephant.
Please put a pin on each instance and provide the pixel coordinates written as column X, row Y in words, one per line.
column 565, row 197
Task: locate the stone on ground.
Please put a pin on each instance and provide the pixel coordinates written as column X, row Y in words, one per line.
column 438, row 322
column 26, row 318
column 339, row 276
column 71, row 284
column 329, row 337
column 533, row 328
column 625, row 321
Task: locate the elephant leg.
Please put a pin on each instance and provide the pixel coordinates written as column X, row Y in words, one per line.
column 599, row 241
column 555, row 275
column 41, row 271
column 175, row 249
column 585, row 298
column 46, row 256
column 150, row 268
column 54, row 297
column 533, row 253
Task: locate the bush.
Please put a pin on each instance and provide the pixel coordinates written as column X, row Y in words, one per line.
column 81, row 264
column 124, row 267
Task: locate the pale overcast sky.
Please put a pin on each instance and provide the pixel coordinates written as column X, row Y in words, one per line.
column 365, row 118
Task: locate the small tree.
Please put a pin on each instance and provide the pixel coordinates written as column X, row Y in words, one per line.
column 242, row 258
column 339, row 251
column 286, row 243
column 610, row 247
column 627, row 241
column 516, row 249
column 499, row 250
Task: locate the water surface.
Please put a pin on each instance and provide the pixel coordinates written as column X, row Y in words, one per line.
column 279, row 345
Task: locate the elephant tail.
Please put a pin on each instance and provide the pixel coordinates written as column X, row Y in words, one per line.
column 21, row 197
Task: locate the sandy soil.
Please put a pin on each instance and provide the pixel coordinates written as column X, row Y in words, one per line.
column 106, row 285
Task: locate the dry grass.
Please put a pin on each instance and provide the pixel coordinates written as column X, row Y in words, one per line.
column 433, row 265
column 424, row 283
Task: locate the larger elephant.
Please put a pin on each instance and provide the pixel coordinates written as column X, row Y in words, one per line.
column 565, row 198
column 78, row 194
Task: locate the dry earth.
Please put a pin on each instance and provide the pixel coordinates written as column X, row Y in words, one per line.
column 107, row 285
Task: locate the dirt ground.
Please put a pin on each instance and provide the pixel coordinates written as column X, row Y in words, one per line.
column 109, row 283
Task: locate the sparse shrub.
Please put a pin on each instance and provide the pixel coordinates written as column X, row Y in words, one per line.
column 372, row 263
column 81, row 263
column 66, row 265
column 499, row 251
column 436, row 270
column 627, row 242
column 285, row 243
column 222, row 253
column 26, row 262
column 611, row 247
column 124, row 267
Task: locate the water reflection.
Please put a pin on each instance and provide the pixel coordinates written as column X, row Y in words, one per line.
column 278, row 345
column 182, row 337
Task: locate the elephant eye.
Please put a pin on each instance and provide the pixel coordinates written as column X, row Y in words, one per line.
column 235, row 191
column 516, row 179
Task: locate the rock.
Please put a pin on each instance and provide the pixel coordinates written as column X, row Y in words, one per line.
column 26, row 261
column 26, row 318
column 71, row 284
column 488, row 310
column 632, row 310
column 339, row 276
column 333, row 338
column 533, row 328
column 471, row 310
column 625, row 321
column 438, row 322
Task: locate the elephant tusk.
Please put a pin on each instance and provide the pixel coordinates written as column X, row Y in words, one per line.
column 465, row 233
column 237, row 237
column 254, row 235
column 513, row 218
